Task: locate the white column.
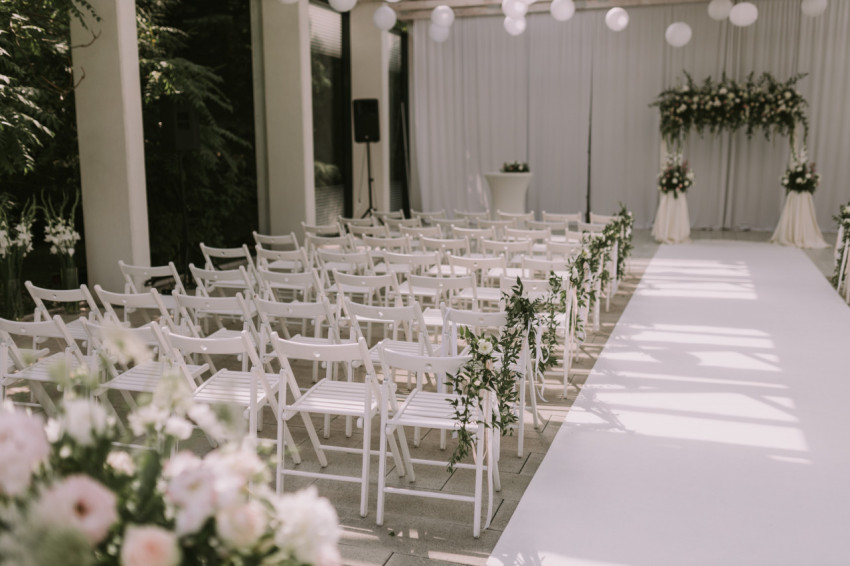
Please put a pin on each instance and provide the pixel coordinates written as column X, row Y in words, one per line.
column 288, row 116
column 111, row 143
column 370, row 63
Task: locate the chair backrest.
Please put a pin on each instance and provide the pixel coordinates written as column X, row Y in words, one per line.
column 145, row 303
column 478, row 266
column 528, row 234
column 519, row 217
column 346, row 261
column 479, row 322
column 207, row 280
column 449, row 224
column 427, row 231
column 484, row 215
column 396, row 223
column 498, row 225
column 439, row 365
column 276, row 317
column 590, row 227
column 553, row 227
column 383, row 214
column 407, row 318
column 282, row 260
column 137, row 277
column 301, row 284
column 601, row 218
column 400, row 244
column 320, row 229
column 382, row 289
column 40, row 295
column 475, row 235
column 102, row 335
column 508, row 249
column 411, row 263
column 314, row 242
column 574, row 217
column 426, row 216
column 531, row 288
column 345, row 222
column 282, row 242
column 182, row 347
column 192, row 308
column 216, row 258
column 563, row 250
column 456, row 246
column 444, row 288
column 533, row 266
column 53, row 328
column 360, row 231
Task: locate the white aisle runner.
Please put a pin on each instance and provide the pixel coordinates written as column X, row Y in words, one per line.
column 714, row 429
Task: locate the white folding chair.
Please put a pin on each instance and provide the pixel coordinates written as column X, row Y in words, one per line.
column 283, row 242
column 519, row 218
column 423, row 409
column 64, row 296
column 138, row 278
column 282, row 260
column 357, row 400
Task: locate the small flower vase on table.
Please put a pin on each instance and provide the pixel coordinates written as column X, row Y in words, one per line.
column 672, row 223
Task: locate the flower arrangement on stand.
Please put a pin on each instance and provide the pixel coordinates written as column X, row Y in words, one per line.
column 59, row 232
column 676, row 178
column 15, row 244
column 515, row 167
column 69, row 494
column 800, row 175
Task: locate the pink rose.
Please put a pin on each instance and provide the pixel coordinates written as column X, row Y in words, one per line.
column 80, row 502
column 149, row 546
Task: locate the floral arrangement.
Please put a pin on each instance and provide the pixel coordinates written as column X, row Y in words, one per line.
column 515, row 167
column 625, row 221
column 766, row 103
column 15, row 244
column 676, row 177
column 800, row 175
column 843, row 220
column 69, row 494
column 59, row 230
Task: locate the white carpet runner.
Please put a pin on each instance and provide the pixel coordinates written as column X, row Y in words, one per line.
column 714, row 429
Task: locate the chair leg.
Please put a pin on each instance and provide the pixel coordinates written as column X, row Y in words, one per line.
column 479, row 478
column 364, row 479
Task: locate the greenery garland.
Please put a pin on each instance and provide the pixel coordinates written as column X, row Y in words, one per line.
column 843, row 219
column 774, row 106
column 626, row 222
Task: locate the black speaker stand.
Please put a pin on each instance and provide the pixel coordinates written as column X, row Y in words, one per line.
column 371, row 180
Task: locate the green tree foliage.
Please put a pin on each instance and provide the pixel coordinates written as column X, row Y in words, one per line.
column 199, row 54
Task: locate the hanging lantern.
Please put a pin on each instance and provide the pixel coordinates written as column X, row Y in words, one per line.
column 562, row 10
column 743, row 14
column 617, row 19
column 678, row 34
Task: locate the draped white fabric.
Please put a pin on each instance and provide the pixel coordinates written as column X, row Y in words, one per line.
column 485, row 97
column 672, row 224
column 797, row 226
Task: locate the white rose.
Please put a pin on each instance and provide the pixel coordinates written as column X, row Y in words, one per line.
column 122, row 462
column 149, row 546
column 23, row 447
column 83, row 420
column 240, row 527
column 309, row 527
column 485, row 347
column 178, row 428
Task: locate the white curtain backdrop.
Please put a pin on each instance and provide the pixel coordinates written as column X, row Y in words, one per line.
column 484, row 97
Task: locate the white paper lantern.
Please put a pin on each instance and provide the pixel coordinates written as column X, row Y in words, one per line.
column 678, row 34
column 617, row 19
column 813, row 8
column 562, row 10
column 515, row 26
column 743, row 14
column 288, row 1
column 392, row 1
column 443, row 16
column 514, row 9
column 343, row 5
column 384, row 17
column 438, row 33
column 719, row 9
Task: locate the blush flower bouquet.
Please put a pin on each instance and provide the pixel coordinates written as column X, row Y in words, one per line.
column 70, row 493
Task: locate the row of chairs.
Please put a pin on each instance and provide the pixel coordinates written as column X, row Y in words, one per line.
column 253, row 386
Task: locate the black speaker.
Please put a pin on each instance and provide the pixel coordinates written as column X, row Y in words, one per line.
column 180, row 126
column 366, row 125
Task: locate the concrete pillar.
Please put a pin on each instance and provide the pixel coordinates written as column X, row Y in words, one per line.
column 370, row 64
column 288, row 115
column 111, row 143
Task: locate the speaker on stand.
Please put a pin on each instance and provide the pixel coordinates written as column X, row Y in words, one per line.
column 181, row 133
column 367, row 129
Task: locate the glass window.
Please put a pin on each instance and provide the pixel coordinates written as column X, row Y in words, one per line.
column 331, row 133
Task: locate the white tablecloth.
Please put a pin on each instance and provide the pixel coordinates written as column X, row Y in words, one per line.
column 672, row 223
column 798, row 225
